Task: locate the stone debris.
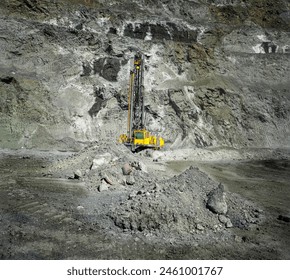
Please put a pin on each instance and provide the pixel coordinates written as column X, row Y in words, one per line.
column 223, row 219
column 150, row 202
column 178, row 204
column 199, row 227
column 80, row 208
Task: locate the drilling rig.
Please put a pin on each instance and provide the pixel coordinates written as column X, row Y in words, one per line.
column 138, row 137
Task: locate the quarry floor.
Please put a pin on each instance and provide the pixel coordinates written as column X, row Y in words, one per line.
column 43, row 217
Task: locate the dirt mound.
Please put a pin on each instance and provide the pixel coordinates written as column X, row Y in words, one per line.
column 190, row 202
column 151, row 201
column 180, row 204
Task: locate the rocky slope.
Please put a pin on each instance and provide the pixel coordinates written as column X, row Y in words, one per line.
column 217, row 72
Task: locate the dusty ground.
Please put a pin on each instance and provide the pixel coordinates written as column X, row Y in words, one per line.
column 46, row 215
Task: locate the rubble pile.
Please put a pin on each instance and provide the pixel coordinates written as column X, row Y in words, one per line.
column 190, row 202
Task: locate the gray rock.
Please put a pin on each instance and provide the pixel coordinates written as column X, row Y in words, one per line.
column 130, row 180
column 209, row 103
column 238, row 239
column 149, row 153
column 80, row 208
column 229, row 224
column 217, row 200
column 126, row 169
column 199, row 227
column 103, row 187
column 77, row 174
column 123, row 182
column 223, row 219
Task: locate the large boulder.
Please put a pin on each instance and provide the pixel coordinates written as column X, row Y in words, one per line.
column 126, row 169
column 217, row 200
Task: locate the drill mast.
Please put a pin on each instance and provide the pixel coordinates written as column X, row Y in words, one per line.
column 137, row 136
column 136, row 113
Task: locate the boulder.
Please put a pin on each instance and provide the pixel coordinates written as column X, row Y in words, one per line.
column 226, row 221
column 229, row 224
column 130, row 180
column 223, row 219
column 77, row 174
column 217, row 200
column 126, row 169
column 103, row 186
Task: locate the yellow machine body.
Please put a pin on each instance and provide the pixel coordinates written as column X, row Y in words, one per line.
column 142, row 138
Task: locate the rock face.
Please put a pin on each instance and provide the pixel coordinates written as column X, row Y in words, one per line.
column 217, row 72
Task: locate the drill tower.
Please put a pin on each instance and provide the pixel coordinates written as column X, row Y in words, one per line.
column 136, row 114
column 137, row 136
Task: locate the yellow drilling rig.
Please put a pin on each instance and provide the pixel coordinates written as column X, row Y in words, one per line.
column 138, row 137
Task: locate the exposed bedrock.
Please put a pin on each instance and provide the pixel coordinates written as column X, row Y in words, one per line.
column 216, row 72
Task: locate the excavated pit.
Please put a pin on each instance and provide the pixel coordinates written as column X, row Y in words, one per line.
column 216, row 87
